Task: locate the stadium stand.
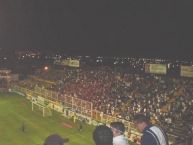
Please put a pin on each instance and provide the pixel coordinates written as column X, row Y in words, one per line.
column 168, row 100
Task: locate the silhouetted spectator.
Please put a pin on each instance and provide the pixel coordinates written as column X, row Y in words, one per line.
column 55, row 139
column 103, row 135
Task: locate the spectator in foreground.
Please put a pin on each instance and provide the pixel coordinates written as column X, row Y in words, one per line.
column 103, row 135
column 118, row 130
column 152, row 135
column 55, row 139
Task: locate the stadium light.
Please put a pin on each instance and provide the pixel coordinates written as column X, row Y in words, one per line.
column 46, row 68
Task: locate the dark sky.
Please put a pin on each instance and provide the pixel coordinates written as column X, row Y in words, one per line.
column 118, row 27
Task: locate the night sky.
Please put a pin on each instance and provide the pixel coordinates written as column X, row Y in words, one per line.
column 102, row 27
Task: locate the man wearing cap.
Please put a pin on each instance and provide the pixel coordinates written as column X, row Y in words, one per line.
column 55, row 139
column 118, row 130
column 152, row 135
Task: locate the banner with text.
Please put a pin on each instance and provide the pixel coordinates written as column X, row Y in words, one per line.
column 186, row 71
column 68, row 62
column 156, row 68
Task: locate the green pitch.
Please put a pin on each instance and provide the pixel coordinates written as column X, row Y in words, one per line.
column 16, row 110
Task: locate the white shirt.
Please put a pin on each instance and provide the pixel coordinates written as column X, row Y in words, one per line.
column 120, row 140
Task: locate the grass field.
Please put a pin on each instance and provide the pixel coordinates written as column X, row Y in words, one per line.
column 16, row 110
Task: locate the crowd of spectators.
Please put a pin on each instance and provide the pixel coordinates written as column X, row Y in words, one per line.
column 168, row 100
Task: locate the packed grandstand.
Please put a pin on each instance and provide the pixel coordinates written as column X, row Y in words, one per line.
column 120, row 94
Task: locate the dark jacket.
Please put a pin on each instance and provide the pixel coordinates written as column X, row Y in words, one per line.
column 153, row 135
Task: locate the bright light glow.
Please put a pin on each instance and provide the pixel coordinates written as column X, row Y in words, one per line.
column 46, row 68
